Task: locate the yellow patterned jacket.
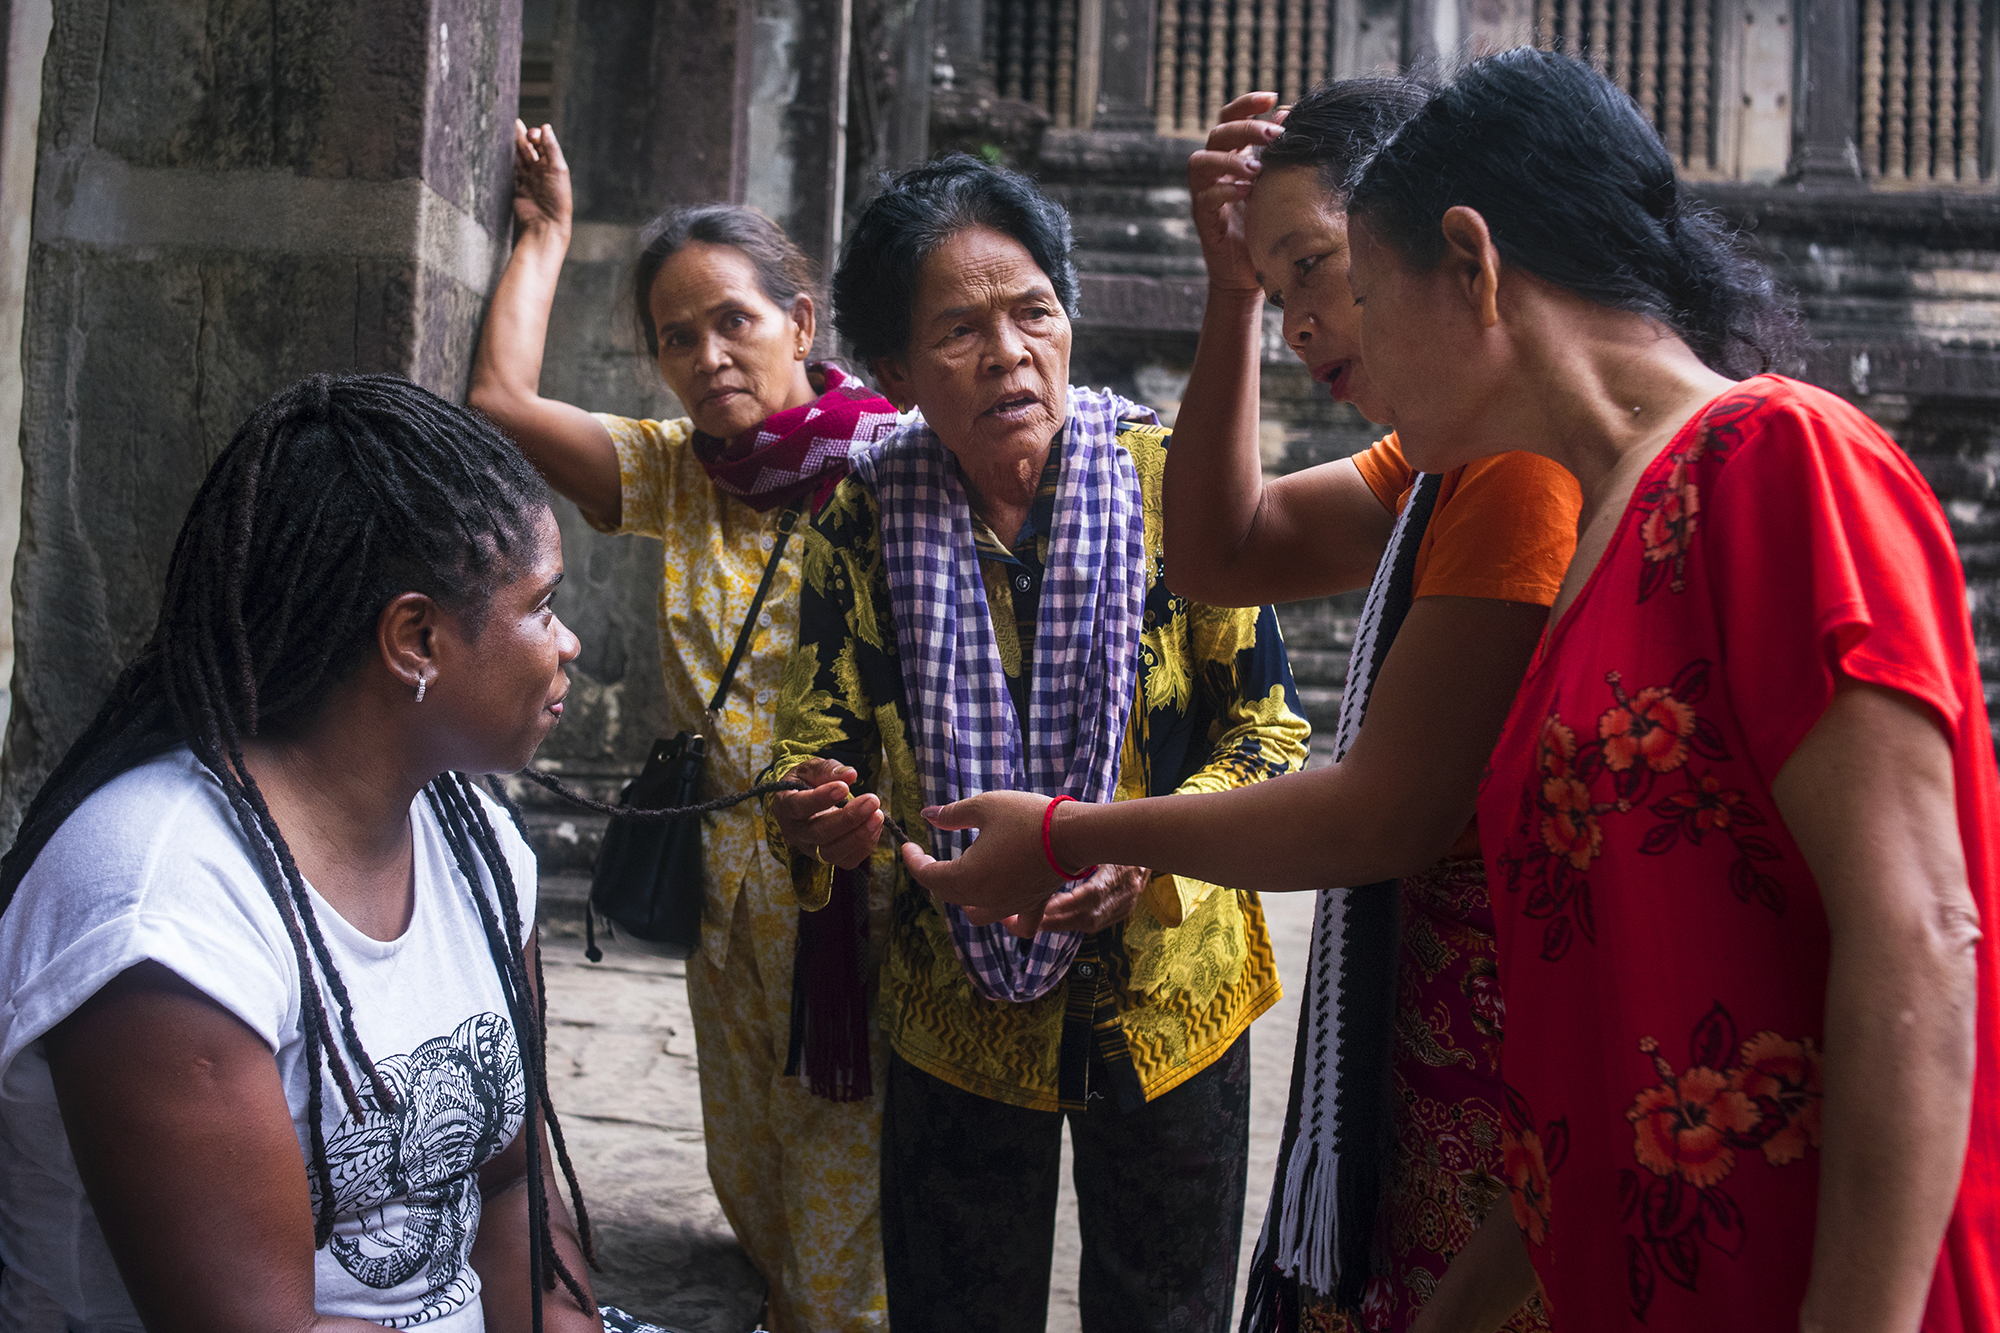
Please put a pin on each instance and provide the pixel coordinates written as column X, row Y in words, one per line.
column 1215, row 709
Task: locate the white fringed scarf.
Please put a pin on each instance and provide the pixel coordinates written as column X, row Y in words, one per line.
column 1319, row 1229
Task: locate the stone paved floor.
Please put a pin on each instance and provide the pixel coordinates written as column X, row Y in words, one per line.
column 622, row 1064
column 622, row 1071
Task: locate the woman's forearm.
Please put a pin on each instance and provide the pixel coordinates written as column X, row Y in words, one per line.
column 508, row 366
column 1310, row 830
column 569, row 446
column 1392, row 806
column 1868, row 796
column 1487, row 1282
column 1900, row 1030
column 500, row 1257
column 1215, row 477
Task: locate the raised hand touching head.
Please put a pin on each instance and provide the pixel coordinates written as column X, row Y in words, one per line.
column 1221, row 175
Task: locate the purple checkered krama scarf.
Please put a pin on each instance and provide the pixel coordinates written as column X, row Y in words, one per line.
column 1086, row 648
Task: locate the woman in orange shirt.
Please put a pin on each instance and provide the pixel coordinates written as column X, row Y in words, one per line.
column 1391, row 1144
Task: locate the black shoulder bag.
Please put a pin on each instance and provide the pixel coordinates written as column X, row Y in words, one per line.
column 647, row 884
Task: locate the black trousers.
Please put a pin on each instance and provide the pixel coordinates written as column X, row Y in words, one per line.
column 969, row 1201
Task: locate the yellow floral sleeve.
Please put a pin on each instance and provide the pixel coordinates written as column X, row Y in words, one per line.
column 653, row 472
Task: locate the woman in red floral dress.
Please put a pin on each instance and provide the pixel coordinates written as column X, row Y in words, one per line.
column 1740, row 825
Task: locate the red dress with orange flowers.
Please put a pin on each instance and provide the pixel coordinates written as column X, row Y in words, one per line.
column 1662, row 946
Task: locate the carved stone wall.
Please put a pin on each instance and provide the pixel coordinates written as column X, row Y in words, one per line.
column 226, row 199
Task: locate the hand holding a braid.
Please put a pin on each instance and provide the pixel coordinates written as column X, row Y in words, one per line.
column 829, row 823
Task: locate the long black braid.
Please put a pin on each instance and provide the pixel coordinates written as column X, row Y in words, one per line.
column 548, row 781
column 334, row 498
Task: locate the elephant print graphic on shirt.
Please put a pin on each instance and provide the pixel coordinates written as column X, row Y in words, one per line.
column 458, row 1101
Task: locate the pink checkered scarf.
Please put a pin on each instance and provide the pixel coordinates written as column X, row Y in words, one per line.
column 801, row 450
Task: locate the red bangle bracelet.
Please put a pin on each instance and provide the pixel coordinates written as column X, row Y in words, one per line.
column 1048, row 848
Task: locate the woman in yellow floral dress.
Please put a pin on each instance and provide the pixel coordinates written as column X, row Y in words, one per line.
column 723, row 298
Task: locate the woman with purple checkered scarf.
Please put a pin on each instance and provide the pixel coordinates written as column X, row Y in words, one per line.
column 984, row 608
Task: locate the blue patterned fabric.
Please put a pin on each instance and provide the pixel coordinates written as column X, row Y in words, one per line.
column 1086, row 647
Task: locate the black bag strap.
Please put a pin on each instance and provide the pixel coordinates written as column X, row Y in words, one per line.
column 786, row 522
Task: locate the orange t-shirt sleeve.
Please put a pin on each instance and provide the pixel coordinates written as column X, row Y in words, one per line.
column 1506, row 531
column 1504, row 528
column 1383, row 467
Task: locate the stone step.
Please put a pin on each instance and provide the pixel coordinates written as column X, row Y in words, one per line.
column 1324, row 623
column 1138, row 255
column 1166, row 209
column 565, row 842
column 1072, row 157
column 1318, row 667
column 599, row 784
column 1122, row 229
column 560, row 901
column 566, row 837
column 1320, row 705
column 1318, row 636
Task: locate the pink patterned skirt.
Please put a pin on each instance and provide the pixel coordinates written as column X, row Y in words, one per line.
column 1446, row 1083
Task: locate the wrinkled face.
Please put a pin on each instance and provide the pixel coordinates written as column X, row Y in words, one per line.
column 1437, row 372
column 1297, row 237
column 988, row 360
column 730, row 354
column 497, row 694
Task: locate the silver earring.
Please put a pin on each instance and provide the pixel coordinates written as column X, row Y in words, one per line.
column 422, row 684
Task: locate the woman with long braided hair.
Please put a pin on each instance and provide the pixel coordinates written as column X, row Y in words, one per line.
column 271, row 1013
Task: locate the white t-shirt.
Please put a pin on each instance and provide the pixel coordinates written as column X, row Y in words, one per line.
column 155, row 866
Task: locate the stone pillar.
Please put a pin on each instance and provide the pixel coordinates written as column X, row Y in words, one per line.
column 25, row 25
column 1125, row 71
column 646, row 93
column 797, row 141
column 1430, row 32
column 1756, row 61
column 644, row 96
column 961, row 46
column 1367, row 37
column 890, row 71
column 908, row 136
column 1823, row 152
column 226, row 199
